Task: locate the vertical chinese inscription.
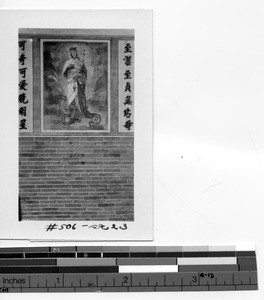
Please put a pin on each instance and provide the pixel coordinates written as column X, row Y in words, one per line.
column 25, row 99
column 126, row 85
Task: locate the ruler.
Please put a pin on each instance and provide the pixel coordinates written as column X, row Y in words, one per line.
column 126, row 269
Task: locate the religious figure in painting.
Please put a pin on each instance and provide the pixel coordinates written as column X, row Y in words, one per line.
column 75, row 72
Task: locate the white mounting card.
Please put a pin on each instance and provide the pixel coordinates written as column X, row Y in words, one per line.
column 76, row 148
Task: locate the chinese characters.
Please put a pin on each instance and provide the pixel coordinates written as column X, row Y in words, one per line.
column 126, row 86
column 25, row 85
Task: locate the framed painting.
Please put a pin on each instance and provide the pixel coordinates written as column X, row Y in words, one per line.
column 75, row 85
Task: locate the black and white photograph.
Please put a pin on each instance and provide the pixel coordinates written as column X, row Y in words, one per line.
column 132, row 149
column 80, row 177
column 80, row 158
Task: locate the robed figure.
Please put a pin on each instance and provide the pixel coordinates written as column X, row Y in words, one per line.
column 75, row 72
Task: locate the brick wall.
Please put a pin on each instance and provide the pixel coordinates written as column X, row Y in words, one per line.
column 83, row 178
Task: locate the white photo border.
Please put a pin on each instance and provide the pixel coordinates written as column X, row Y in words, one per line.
column 142, row 226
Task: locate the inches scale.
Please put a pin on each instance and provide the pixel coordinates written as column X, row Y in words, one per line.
column 126, row 269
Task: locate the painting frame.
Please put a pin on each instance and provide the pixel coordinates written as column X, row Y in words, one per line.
column 107, row 41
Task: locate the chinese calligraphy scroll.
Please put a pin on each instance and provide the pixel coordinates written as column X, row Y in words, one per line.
column 126, row 86
column 25, row 89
